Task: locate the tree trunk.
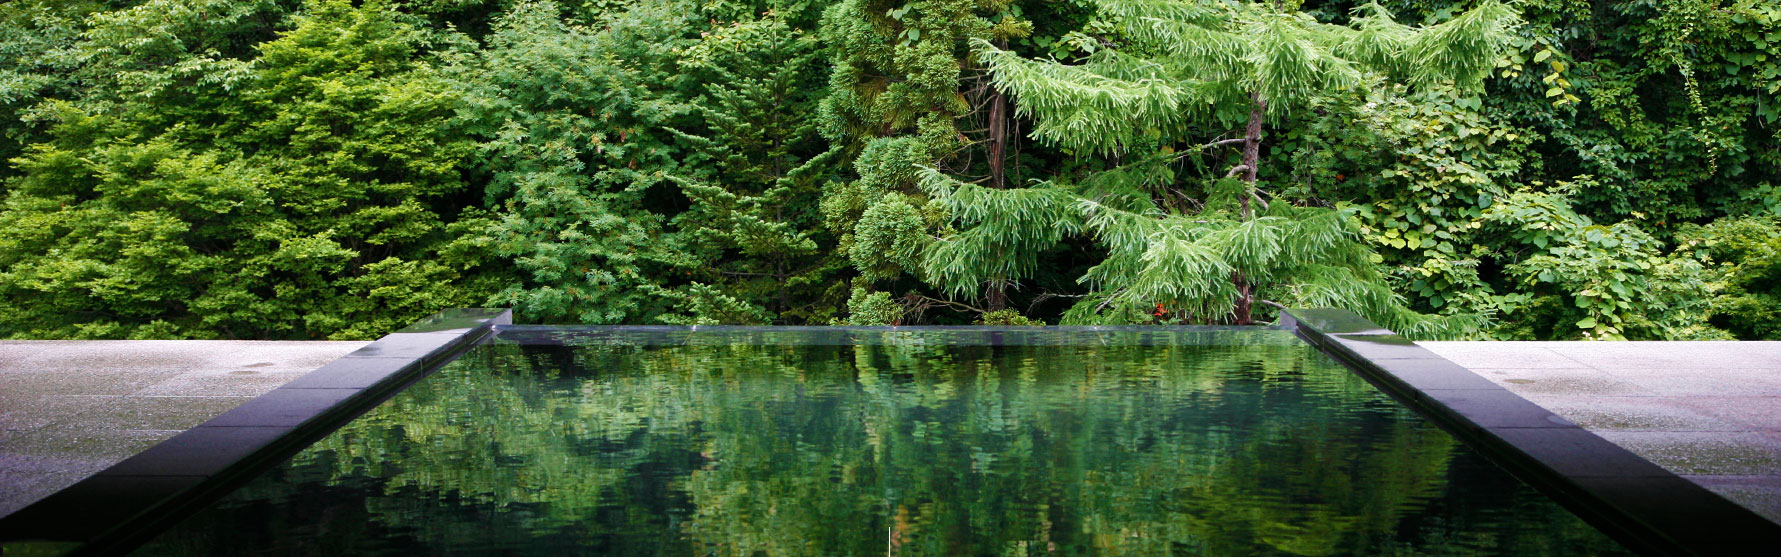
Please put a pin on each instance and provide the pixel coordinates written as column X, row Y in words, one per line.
column 785, row 302
column 998, row 137
column 1245, row 299
column 995, row 296
column 994, row 293
column 1252, row 150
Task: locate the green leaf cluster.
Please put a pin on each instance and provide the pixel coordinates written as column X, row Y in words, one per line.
column 1615, row 277
column 1744, row 256
column 186, row 193
column 1612, row 100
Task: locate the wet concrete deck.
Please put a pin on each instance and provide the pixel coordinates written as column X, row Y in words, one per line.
column 1707, row 411
column 69, row 409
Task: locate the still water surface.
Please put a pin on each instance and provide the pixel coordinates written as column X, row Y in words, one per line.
column 1237, row 443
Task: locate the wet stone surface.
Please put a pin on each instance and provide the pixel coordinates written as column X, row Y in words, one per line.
column 1704, row 452
column 1708, row 411
column 69, row 409
column 1569, row 382
column 1758, row 493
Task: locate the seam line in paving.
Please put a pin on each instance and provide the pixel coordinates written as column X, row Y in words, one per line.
column 1580, row 363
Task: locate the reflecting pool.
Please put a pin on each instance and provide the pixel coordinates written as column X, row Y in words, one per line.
column 851, row 442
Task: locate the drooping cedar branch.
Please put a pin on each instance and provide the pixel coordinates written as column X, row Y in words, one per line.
column 1183, row 66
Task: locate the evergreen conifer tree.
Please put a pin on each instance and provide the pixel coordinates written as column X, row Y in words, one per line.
column 1157, row 73
column 574, row 120
column 753, row 220
column 310, row 193
column 894, row 106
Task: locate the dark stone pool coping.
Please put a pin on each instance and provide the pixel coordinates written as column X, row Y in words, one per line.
column 1645, row 507
column 125, row 504
column 836, row 335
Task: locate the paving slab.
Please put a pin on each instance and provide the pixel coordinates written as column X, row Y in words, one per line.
column 1761, row 412
column 78, row 380
column 70, row 409
column 1663, row 355
column 162, row 413
column 1633, row 413
column 1703, row 381
column 1502, row 355
column 1708, row 411
column 1729, row 453
column 1758, row 493
column 28, row 411
column 221, row 383
column 1566, row 380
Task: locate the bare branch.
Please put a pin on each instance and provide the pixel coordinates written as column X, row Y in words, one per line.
column 1111, row 296
column 920, row 304
column 1046, row 296
column 779, row 276
column 1239, row 169
column 1219, row 143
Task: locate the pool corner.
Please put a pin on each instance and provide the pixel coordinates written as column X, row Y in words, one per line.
column 114, row 508
column 1646, row 507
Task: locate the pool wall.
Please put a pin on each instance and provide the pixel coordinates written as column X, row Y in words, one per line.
column 119, row 507
column 1642, row 505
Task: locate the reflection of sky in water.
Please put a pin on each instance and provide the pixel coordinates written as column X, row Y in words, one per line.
column 848, row 442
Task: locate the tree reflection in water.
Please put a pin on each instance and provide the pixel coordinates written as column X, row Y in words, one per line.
column 1257, row 444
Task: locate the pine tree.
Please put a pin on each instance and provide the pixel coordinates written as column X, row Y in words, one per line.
column 1159, row 72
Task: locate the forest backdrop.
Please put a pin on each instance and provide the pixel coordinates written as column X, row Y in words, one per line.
column 314, row 169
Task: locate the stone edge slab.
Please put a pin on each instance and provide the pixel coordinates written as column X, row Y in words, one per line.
column 1640, row 504
column 127, row 503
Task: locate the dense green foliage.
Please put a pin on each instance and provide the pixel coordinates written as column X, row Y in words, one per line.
column 189, row 193
column 333, row 169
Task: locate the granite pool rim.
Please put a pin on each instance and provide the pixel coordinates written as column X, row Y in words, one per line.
column 125, row 504
column 1640, row 504
column 823, row 335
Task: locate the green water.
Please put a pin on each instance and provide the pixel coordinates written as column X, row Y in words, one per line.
column 1104, row 443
